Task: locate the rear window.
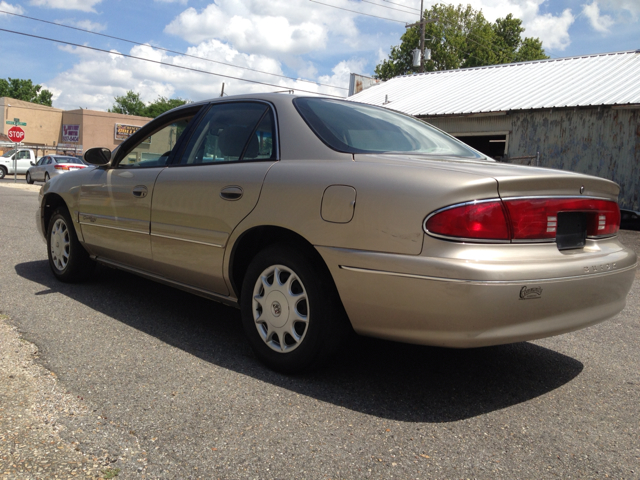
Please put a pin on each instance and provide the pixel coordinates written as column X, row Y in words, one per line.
column 68, row 160
column 356, row 128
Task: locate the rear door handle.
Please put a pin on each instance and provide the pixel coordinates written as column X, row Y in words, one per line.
column 232, row 193
column 140, row 191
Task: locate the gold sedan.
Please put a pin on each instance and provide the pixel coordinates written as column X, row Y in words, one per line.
column 317, row 217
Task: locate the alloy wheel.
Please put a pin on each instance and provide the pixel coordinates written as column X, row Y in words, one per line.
column 60, row 244
column 280, row 308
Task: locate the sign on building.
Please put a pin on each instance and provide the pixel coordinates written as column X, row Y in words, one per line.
column 71, row 133
column 358, row 83
column 125, row 131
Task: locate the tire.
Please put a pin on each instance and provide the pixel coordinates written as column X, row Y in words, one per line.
column 291, row 312
column 29, row 179
column 46, row 177
column 68, row 259
column 3, row 172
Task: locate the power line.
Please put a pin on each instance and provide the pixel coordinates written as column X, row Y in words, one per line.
column 384, row 6
column 158, row 62
column 400, row 5
column 169, row 51
column 359, row 13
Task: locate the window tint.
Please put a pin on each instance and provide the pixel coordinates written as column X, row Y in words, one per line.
column 49, row 161
column 43, row 161
column 231, row 132
column 355, row 128
column 154, row 150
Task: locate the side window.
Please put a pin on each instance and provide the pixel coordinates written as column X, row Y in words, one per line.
column 154, row 150
column 50, row 161
column 22, row 154
column 232, row 132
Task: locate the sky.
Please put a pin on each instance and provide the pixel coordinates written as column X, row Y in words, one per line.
column 314, row 44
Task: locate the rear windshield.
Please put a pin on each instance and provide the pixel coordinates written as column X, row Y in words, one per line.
column 356, row 128
column 68, row 160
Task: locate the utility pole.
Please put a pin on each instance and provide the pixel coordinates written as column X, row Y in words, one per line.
column 423, row 22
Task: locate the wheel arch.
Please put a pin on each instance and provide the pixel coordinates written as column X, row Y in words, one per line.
column 50, row 202
column 256, row 239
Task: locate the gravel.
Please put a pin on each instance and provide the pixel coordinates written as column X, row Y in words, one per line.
column 161, row 384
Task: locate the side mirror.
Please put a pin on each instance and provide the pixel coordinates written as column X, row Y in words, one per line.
column 32, row 164
column 98, row 156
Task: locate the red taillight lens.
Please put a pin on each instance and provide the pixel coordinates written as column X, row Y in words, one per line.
column 528, row 219
column 483, row 220
column 61, row 167
column 537, row 219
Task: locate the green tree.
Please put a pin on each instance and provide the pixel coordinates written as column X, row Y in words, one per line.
column 161, row 105
column 461, row 37
column 25, row 90
column 130, row 104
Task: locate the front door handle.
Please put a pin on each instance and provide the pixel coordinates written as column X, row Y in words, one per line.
column 140, row 191
column 231, row 193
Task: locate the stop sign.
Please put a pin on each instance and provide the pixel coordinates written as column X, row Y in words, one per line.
column 16, row 134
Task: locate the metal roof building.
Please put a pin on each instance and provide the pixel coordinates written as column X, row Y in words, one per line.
column 576, row 113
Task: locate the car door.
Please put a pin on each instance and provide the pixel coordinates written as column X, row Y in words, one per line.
column 37, row 172
column 24, row 161
column 205, row 193
column 114, row 206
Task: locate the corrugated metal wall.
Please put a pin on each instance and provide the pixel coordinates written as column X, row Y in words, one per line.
column 604, row 142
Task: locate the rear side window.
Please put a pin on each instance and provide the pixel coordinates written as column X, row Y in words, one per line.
column 356, row 128
column 232, row 132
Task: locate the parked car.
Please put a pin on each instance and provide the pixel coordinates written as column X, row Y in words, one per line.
column 51, row 165
column 316, row 216
column 22, row 161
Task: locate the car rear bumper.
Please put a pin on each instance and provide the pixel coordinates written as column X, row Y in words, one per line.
column 461, row 303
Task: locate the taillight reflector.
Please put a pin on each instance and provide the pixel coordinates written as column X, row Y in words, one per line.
column 482, row 220
column 527, row 219
column 536, row 218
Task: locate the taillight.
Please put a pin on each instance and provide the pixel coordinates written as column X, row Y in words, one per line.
column 521, row 220
column 537, row 218
column 477, row 220
column 61, row 167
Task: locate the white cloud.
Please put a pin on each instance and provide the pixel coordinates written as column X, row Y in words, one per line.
column 84, row 24
column 98, row 77
column 83, row 5
column 600, row 23
column 553, row 30
column 7, row 7
column 280, row 28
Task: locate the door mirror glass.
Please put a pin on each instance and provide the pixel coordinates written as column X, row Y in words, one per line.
column 98, row 156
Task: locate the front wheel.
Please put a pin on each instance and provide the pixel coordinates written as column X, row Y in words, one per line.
column 3, row 172
column 29, row 179
column 68, row 259
column 291, row 311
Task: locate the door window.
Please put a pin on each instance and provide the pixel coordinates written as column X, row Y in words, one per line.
column 232, row 132
column 22, row 154
column 154, row 150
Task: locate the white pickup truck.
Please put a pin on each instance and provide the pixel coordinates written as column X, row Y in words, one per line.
column 24, row 158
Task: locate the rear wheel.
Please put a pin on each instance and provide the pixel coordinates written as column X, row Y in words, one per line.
column 3, row 172
column 291, row 311
column 28, row 178
column 68, row 259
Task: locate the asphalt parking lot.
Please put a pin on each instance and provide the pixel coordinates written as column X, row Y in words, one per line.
column 172, row 390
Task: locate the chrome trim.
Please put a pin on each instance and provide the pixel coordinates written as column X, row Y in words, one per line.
column 484, row 282
column 557, row 197
column 185, row 240
column 114, row 228
column 227, row 300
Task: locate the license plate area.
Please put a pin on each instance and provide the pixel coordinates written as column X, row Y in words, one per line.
column 571, row 230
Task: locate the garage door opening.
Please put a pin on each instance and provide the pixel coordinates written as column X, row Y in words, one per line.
column 494, row 146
